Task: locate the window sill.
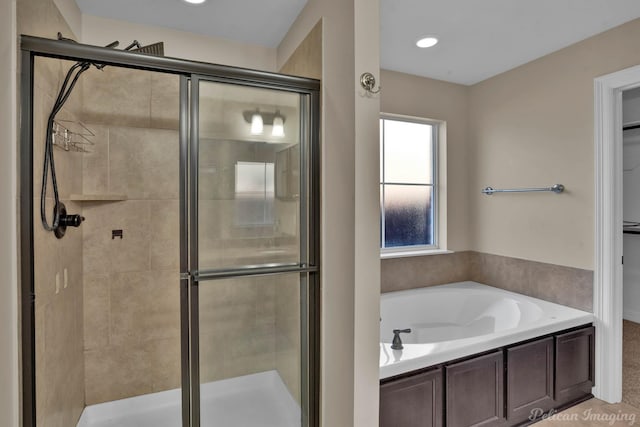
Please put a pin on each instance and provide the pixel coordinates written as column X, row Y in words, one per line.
column 409, row 253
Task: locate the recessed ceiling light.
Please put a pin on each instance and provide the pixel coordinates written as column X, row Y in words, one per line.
column 195, row 1
column 427, row 42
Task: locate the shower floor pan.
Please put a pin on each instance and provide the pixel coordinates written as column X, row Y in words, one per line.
column 252, row 400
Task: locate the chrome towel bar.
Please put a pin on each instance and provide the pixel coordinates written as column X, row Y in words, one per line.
column 555, row 188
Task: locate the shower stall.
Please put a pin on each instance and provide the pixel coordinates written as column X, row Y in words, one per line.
column 185, row 291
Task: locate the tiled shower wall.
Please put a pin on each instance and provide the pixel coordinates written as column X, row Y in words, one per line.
column 57, row 266
column 132, row 325
column 555, row 283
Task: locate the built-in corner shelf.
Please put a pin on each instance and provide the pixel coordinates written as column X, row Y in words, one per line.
column 106, row 197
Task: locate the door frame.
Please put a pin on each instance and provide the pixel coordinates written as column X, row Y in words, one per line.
column 607, row 278
column 32, row 47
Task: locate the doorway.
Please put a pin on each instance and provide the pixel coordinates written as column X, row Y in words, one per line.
column 631, row 248
column 608, row 270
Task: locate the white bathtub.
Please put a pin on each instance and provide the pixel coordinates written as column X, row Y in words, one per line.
column 460, row 319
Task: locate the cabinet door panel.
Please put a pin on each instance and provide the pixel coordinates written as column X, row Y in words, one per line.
column 529, row 379
column 574, row 365
column 415, row 401
column 475, row 392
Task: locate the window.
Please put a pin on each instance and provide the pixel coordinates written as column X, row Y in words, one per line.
column 408, row 184
column 254, row 193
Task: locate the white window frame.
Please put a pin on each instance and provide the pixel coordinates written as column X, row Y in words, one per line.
column 439, row 201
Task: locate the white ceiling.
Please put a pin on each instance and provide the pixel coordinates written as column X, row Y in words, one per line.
column 482, row 38
column 260, row 22
column 478, row 38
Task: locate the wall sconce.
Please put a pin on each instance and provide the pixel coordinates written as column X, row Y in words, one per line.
column 257, row 124
column 258, row 120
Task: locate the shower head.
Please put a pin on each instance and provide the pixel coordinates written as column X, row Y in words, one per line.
column 156, row 49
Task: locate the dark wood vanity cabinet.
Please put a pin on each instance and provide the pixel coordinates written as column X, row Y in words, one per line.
column 475, row 391
column 574, row 364
column 529, row 379
column 500, row 388
column 415, row 401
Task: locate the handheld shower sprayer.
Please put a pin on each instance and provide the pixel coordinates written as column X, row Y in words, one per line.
column 60, row 219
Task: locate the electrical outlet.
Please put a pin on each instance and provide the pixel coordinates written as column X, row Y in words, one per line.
column 57, row 283
column 66, row 278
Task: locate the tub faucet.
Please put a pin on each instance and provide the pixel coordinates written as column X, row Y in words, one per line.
column 397, row 342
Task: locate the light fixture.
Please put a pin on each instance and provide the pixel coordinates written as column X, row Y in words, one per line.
column 278, row 125
column 427, row 42
column 259, row 119
column 257, row 124
column 195, row 1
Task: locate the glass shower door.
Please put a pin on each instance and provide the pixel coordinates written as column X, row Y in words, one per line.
column 250, row 269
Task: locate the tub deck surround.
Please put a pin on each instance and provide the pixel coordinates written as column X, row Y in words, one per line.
column 452, row 321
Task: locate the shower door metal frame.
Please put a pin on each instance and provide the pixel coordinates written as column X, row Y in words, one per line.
column 32, row 47
column 308, row 268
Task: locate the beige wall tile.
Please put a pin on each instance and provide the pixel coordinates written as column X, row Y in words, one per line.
column 165, row 101
column 414, row 272
column 46, row 261
column 117, row 95
column 144, row 163
column 101, row 253
column 164, row 234
column 131, row 255
column 59, row 314
column 563, row 285
column 42, row 105
column 63, row 361
column 306, row 60
column 144, row 306
column 47, row 75
column 116, row 373
column 68, row 172
column 287, row 345
column 41, row 352
column 96, row 311
column 95, row 165
column 112, row 373
column 166, row 363
column 237, row 327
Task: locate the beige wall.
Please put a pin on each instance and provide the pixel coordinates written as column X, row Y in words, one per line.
column 337, row 254
column 9, row 371
column 179, row 44
column 306, row 60
column 434, row 99
column 533, row 126
column 350, row 279
column 367, row 219
column 72, row 15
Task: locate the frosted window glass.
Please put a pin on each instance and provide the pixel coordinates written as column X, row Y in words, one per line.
column 407, row 153
column 408, row 215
